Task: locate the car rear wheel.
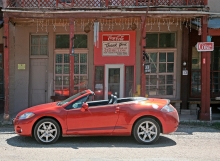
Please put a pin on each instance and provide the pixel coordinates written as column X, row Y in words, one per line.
column 47, row 131
column 146, row 131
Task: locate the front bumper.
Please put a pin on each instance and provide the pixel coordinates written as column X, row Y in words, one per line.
column 23, row 127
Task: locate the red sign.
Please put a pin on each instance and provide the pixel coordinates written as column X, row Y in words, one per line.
column 205, row 46
column 115, row 44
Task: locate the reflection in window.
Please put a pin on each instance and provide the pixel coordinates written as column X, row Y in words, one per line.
column 99, row 83
column 160, row 40
column 129, row 81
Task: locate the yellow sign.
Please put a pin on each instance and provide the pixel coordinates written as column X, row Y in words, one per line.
column 21, row 66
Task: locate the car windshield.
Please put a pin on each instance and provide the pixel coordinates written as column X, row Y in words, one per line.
column 70, row 98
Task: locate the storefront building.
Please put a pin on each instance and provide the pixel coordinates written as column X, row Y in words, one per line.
column 54, row 49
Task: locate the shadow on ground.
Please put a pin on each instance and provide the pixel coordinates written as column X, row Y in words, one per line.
column 89, row 142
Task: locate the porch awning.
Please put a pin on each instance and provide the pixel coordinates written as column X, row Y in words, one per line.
column 213, row 23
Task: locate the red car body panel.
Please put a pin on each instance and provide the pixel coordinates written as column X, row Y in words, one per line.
column 110, row 119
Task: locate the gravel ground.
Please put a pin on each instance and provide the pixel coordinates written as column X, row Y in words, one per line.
column 188, row 143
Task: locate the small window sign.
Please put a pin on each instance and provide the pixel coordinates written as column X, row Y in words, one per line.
column 185, row 72
column 147, row 68
column 21, row 66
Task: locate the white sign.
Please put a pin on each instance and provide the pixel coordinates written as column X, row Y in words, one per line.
column 205, row 46
column 115, row 44
column 185, row 72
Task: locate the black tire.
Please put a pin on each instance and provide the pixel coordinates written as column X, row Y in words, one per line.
column 146, row 135
column 47, row 131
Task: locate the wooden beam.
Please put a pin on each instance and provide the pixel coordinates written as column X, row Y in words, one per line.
column 214, row 32
column 71, row 57
column 205, row 75
column 6, row 67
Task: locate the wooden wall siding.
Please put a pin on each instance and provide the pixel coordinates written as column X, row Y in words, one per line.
column 102, row 3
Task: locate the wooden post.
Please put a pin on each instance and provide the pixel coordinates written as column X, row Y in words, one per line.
column 6, row 67
column 71, row 57
column 142, row 45
column 205, row 75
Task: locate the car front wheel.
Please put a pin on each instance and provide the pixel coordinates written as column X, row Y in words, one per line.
column 47, row 131
column 146, row 131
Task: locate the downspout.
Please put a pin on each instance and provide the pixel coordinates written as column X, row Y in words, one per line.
column 6, row 68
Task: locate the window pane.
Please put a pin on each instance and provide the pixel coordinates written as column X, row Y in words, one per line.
column 66, row 80
column 34, row 50
column 169, row 90
column 43, row 50
column 76, row 80
column 153, row 67
column 58, row 69
column 83, row 69
column 152, row 40
column 99, row 73
column 161, row 90
column 80, row 41
column 153, row 80
column 196, row 87
column 153, row 57
column 76, row 69
column 76, row 58
column 83, row 58
column 66, row 69
column 170, row 67
column 162, row 57
column 66, row 58
column 129, row 80
column 58, row 80
column 62, row 41
column 169, row 79
column 151, row 90
column 167, row 40
column 162, row 68
column 170, row 57
column 34, row 40
column 59, row 58
column 43, row 40
column 196, row 59
column 99, row 83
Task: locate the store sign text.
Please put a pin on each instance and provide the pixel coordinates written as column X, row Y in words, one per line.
column 205, row 46
column 115, row 45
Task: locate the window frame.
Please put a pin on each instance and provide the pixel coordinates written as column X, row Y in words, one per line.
column 39, row 56
column 167, row 50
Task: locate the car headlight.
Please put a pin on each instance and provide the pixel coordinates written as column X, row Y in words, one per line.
column 167, row 108
column 26, row 115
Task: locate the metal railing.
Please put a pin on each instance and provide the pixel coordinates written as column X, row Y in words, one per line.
column 99, row 4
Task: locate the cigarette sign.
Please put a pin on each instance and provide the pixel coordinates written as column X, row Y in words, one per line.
column 205, row 46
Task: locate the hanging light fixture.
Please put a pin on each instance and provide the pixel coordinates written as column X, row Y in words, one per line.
column 133, row 26
column 87, row 28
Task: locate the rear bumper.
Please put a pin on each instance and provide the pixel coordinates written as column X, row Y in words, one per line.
column 170, row 122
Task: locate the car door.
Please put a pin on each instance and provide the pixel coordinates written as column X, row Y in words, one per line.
column 96, row 120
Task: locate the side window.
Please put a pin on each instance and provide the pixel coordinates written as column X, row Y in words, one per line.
column 79, row 102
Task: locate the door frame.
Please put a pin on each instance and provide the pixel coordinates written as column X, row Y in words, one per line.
column 107, row 67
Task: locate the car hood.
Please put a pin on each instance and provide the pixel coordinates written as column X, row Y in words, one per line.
column 160, row 102
column 41, row 107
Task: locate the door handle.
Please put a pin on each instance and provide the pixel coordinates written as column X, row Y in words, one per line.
column 117, row 109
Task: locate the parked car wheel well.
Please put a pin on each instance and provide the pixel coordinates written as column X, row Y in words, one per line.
column 148, row 116
column 32, row 132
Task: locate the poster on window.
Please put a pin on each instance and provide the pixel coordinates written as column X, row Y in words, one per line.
column 115, row 44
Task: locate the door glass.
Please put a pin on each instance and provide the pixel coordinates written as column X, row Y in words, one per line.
column 114, row 82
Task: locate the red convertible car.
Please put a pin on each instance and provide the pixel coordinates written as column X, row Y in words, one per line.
column 144, row 118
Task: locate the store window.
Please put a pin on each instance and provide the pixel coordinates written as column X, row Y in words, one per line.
column 62, row 74
column 62, row 41
column 39, row 45
column 80, row 72
column 62, row 66
column 160, row 81
column 160, row 40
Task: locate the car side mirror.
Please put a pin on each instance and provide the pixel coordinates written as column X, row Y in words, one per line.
column 84, row 107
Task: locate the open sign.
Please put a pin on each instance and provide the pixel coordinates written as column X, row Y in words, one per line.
column 205, row 46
